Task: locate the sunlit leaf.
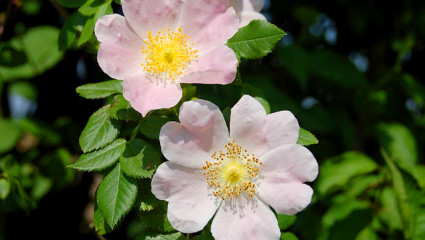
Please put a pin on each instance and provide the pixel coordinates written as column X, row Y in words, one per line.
column 4, row 188
column 100, row 224
column 100, row 90
column 336, row 172
column 140, row 159
column 87, row 31
column 101, row 159
column 115, row 196
column 255, row 40
column 13, row 133
column 40, row 45
column 99, row 131
column 306, row 138
column 121, row 110
column 400, row 143
column 401, row 193
column 72, row 27
column 288, row 236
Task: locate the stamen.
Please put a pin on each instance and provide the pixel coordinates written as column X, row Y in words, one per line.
column 232, row 173
column 168, row 54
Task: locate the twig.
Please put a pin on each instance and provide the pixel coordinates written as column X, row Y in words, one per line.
column 8, row 13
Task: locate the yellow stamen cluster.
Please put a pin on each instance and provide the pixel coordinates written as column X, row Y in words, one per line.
column 167, row 54
column 232, row 173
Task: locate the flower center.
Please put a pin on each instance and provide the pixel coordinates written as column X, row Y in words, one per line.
column 167, row 54
column 232, row 173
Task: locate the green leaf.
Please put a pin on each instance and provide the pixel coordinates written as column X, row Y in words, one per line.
column 100, row 224
column 160, row 236
column 152, row 125
column 40, row 45
column 400, row 143
column 91, row 7
column 401, row 193
column 288, row 236
column 285, row 221
column 157, row 222
column 121, row 110
column 306, row 138
column 100, row 90
column 341, row 209
column 72, row 27
column 102, row 159
column 71, row 3
column 140, row 159
column 265, row 104
column 367, row 234
column 389, row 213
column 13, row 133
column 87, row 31
column 4, row 188
column 419, row 230
column 146, row 201
column 115, row 196
column 99, row 131
column 336, row 172
column 255, row 40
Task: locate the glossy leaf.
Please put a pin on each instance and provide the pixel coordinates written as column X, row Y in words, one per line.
column 306, row 138
column 88, row 28
column 255, row 40
column 99, row 131
column 100, row 90
column 115, row 196
column 101, row 159
column 121, row 110
column 140, row 159
column 100, row 224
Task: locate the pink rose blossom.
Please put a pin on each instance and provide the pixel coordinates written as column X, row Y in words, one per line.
column 248, row 10
column 238, row 176
column 162, row 43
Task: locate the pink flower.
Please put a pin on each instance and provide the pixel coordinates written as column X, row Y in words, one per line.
column 248, row 10
column 237, row 176
column 162, row 43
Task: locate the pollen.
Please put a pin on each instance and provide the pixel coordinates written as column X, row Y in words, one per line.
column 168, row 54
column 232, row 173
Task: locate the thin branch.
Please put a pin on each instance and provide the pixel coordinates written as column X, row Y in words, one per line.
column 8, row 13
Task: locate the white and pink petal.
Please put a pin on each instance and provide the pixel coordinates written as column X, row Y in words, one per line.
column 119, row 53
column 216, row 66
column 151, row 15
column 208, row 22
column 190, row 206
column 259, row 133
column 145, row 94
column 201, row 131
column 254, row 221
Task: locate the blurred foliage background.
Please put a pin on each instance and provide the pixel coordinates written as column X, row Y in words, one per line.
column 350, row 71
